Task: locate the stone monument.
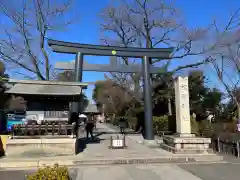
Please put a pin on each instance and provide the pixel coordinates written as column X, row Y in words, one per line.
column 182, row 106
column 184, row 141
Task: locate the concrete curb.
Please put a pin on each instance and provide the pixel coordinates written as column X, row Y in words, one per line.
column 157, row 160
column 34, row 163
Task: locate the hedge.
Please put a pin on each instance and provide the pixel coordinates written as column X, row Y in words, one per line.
column 168, row 124
column 50, row 173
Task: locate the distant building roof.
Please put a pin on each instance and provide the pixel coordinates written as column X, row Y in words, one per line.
column 91, row 108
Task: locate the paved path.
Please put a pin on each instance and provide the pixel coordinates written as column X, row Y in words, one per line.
column 220, row 171
column 133, row 172
column 140, row 172
column 93, row 150
column 131, row 134
column 101, row 150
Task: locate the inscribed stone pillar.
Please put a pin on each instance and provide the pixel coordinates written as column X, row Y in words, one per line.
column 182, row 106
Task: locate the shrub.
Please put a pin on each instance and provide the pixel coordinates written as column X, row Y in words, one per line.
column 50, row 173
column 160, row 123
column 225, row 127
column 231, row 127
column 205, row 128
column 194, row 126
column 172, row 124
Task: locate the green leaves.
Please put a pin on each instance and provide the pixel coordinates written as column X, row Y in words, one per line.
column 200, row 96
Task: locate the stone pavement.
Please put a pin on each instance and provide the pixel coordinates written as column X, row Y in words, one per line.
column 98, row 153
column 216, row 171
column 139, row 172
column 227, row 169
column 134, row 149
column 132, row 135
column 131, row 172
column 92, row 149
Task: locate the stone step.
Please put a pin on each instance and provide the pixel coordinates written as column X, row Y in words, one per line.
column 185, row 151
column 71, row 161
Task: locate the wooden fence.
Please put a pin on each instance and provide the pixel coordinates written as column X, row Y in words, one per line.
column 40, row 130
column 227, row 143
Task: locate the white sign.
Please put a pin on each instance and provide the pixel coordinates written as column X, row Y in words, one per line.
column 40, row 117
column 117, row 143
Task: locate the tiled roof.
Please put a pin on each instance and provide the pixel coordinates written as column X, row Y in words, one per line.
column 38, row 89
column 46, row 88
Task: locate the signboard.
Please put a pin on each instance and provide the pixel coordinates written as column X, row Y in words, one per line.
column 117, row 143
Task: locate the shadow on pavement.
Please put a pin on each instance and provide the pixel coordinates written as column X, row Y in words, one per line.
column 15, row 174
column 81, row 143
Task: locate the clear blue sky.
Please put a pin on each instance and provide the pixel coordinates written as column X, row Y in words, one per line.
column 196, row 13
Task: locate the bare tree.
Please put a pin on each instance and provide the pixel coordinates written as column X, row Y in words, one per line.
column 151, row 24
column 227, row 55
column 25, row 30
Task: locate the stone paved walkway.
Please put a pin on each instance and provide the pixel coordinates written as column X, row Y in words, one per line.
column 100, row 150
column 131, row 172
column 140, row 172
column 216, row 171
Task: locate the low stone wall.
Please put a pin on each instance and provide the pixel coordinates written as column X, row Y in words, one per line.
column 40, row 147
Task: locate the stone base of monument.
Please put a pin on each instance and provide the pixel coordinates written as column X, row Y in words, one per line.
column 40, row 147
column 186, row 144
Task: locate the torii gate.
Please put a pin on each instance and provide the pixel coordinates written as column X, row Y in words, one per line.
column 145, row 53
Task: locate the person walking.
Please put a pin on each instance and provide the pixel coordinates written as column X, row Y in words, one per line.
column 74, row 119
column 89, row 127
column 122, row 125
column 95, row 122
